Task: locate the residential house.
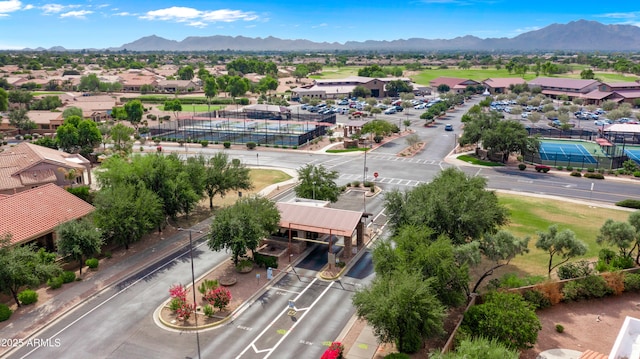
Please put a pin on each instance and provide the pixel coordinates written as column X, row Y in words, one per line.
column 455, row 84
column 173, row 86
column 31, row 216
column 620, row 92
column 133, row 81
column 27, row 166
column 501, row 85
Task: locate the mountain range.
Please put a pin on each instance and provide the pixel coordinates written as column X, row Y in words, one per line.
column 581, row 35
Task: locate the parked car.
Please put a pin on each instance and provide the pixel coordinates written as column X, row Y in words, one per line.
column 448, row 127
column 343, row 102
column 399, row 108
column 603, row 122
column 390, row 111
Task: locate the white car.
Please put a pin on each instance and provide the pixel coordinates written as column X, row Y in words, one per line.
column 390, row 111
column 421, row 106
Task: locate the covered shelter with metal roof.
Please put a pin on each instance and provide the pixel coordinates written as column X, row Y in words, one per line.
column 307, row 220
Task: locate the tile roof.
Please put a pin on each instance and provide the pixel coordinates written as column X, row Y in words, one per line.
column 33, row 213
column 558, row 82
column 503, row 82
column 596, row 94
column 318, row 219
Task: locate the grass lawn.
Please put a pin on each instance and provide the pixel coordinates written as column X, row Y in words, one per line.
column 337, row 72
column 261, row 178
column 476, row 161
column 532, row 214
column 41, row 93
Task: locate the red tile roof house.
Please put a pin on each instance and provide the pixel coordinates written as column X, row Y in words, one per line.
column 26, row 166
column 32, row 215
column 555, row 87
column 619, row 92
column 501, row 85
column 456, row 85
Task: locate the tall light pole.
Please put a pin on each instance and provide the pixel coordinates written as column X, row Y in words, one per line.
column 193, row 286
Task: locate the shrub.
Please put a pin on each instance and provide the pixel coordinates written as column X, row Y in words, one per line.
column 592, row 286
column 569, row 168
column 636, row 174
column 245, row 263
column 68, row 276
column 552, row 291
column 208, row 310
column 559, row 328
column 629, row 203
column 28, row 296
column 335, row 351
column 251, row 145
column 55, row 282
column 594, row 175
column 576, row 174
column 204, row 143
column 615, row 282
column 5, row 312
column 411, row 342
column 591, row 169
column 537, row 299
column 175, row 304
column 512, row 280
column 207, row 285
column 178, row 291
column 226, row 144
column 355, row 184
column 522, row 166
column 219, row 297
column 631, row 282
column 574, row 270
column 560, row 168
column 601, row 170
column 606, row 255
column 266, row 261
column 622, row 262
column 92, row 263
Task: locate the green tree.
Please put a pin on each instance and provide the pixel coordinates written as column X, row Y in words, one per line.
column 300, row 72
column 89, row 83
column 72, row 111
column 361, row 91
column 453, row 204
column 134, row 110
column 378, row 128
column 587, row 74
column 506, row 317
column 222, row 176
column 414, row 249
column 18, row 118
column 210, row 90
column 267, row 84
column 237, row 86
column 118, row 113
column 401, row 308
column 186, row 72
column 316, row 182
column 240, row 227
column 78, row 239
column 121, row 137
column 560, row 243
column 21, row 97
column 126, row 211
column 619, row 234
column 47, row 103
column 4, row 100
column 396, row 87
column 22, row 266
column 174, row 106
column 498, row 250
column 443, row 88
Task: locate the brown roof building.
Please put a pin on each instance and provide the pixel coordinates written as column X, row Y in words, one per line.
column 456, row 85
column 556, row 86
column 33, row 215
column 27, row 166
column 501, row 85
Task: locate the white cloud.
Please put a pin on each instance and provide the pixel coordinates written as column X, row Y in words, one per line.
column 198, row 18
column 124, row 13
column 319, row 25
column 52, row 8
column 621, row 15
column 9, row 6
column 79, row 14
column 28, row 7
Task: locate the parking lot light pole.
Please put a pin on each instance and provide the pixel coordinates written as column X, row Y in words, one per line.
column 193, row 286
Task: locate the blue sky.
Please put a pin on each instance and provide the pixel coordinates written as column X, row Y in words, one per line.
column 112, row 23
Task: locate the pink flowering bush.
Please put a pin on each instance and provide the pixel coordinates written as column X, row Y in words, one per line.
column 218, row 297
column 178, row 291
column 185, row 311
column 335, row 351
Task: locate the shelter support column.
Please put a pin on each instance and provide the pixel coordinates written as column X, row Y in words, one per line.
column 360, row 235
column 347, row 246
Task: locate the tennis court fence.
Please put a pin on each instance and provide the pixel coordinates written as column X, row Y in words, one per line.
column 556, row 159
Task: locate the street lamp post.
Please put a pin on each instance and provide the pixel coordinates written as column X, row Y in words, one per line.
column 193, row 286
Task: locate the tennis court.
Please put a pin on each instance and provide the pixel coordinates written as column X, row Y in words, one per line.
column 565, row 152
column 633, row 153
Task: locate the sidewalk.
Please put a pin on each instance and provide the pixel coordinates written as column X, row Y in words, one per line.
column 28, row 320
